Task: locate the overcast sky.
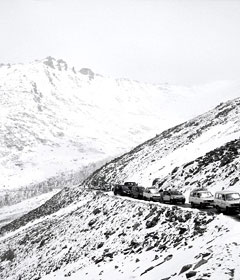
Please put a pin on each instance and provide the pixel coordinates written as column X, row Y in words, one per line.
column 180, row 42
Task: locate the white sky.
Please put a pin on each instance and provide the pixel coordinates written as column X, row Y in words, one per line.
column 179, row 42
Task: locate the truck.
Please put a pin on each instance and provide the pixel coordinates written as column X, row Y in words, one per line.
column 125, row 189
column 173, row 196
column 201, row 198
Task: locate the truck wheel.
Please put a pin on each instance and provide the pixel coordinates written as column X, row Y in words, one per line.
column 218, row 209
column 192, row 205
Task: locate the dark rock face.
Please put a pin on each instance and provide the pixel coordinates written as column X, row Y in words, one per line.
column 59, row 64
column 88, row 72
column 185, row 268
column 190, row 274
column 200, row 263
column 49, row 61
column 96, row 211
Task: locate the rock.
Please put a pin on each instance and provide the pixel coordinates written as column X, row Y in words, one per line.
column 42, row 243
column 108, row 233
column 201, row 262
column 156, row 258
column 188, row 216
column 162, row 247
column 88, row 72
column 109, row 255
column 185, row 268
column 191, row 274
column 150, row 248
column 92, row 222
column 147, row 270
column 136, row 225
column 206, row 254
column 134, row 243
column 100, row 245
column 182, row 230
column 100, row 259
column 168, row 258
column 148, row 215
column 96, row 211
column 152, row 223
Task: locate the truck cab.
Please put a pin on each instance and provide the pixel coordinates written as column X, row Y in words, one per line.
column 173, row 196
column 227, row 201
column 152, row 194
column 201, row 198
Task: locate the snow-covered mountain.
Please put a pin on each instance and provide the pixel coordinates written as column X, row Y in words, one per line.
column 55, row 120
column 204, row 151
column 82, row 233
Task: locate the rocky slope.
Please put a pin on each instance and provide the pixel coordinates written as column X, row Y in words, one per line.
column 99, row 236
column 216, row 170
column 85, row 234
column 196, row 153
column 204, row 152
column 55, row 119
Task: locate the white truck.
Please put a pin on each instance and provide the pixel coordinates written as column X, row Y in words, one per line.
column 173, row 196
column 201, row 198
column 227, row 201
column 152, row 194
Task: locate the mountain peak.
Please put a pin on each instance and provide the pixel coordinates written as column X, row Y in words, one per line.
column 58, row 64
column 88, row 72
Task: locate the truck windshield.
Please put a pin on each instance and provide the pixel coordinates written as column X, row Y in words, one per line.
column 175, row 193
column 232, row 196
column 154, row 191
column 205, row 194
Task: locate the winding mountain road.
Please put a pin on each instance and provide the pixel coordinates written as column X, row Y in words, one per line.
column 234, row 216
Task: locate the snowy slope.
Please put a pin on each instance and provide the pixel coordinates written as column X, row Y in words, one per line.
column 10, row 213
column 216, row 170
column 85, row 234
column 206, row 148
column 167, row 157
column 100, row 237
column 54, row 118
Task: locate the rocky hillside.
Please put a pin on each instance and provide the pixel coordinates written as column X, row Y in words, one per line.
column 204, row 151
column 217, row 169
column 195, row 153
column 82, row 233
column 100, row 235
